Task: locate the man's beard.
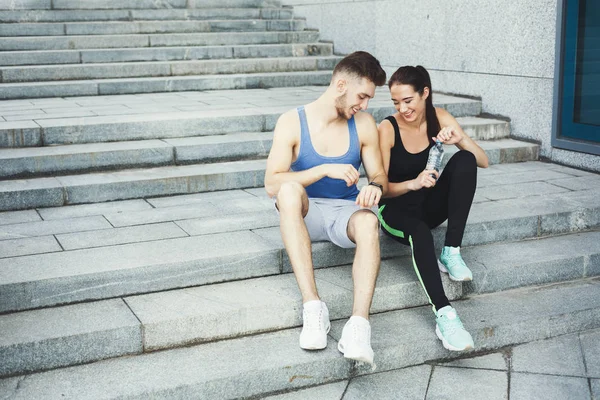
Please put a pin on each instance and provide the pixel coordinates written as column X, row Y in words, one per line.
column 341, row 107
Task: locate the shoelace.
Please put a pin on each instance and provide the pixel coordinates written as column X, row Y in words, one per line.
column 360, row 333
column 313, row 320
column 454, row 260
column 452, row 325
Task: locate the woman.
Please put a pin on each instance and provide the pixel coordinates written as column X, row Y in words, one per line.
column 419, row 199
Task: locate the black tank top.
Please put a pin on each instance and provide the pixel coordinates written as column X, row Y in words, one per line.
column 405, row 166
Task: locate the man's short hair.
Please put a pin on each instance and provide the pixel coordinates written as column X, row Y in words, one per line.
column 362, row 65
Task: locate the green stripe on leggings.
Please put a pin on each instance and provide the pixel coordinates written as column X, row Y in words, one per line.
column 388, row 228
column 400, row 234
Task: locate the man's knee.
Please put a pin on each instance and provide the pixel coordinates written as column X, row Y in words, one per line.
column 290, row 197
column 363, row 224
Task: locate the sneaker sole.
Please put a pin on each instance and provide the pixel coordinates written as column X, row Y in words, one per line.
column 366, row 358
column 447, row 345
column 317, row 346
column 442, row 268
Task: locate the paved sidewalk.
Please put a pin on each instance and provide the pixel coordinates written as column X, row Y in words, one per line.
column 563, row 368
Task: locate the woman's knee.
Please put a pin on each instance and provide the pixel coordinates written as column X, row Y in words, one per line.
column 462, row 162
column 464, row 158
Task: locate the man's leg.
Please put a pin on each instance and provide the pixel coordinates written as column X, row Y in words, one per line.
column 292, row 203
column 363, row 229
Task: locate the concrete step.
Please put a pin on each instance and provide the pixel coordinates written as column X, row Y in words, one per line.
column 148, row 27
column 15, row 58
column 132, row 261
column 145, row 15
column 168, row 180
column 55, row 160
column 155, row 40
column 241, row 368
column 176, row 115
column 72, row 72
column 131, row 4
column 195, row 315
column 36, row 90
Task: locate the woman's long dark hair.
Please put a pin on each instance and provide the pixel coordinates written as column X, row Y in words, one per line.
column 418, row 78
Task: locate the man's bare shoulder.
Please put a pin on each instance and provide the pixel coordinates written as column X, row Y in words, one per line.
column 289, row 121
column 365, row 124
column 364, row 118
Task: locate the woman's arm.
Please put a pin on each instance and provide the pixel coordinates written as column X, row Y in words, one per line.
column 452, row 133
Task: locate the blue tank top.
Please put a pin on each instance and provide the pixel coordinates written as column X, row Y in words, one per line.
column 309, row 158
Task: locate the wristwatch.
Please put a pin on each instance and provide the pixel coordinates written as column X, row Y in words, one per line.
column 377, row 185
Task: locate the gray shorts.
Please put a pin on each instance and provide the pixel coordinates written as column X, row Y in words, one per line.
column 327, row 220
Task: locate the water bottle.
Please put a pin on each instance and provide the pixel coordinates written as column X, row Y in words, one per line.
column 434, row 161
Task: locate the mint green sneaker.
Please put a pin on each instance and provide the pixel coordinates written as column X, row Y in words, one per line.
column 452, row 263
column 450, row 330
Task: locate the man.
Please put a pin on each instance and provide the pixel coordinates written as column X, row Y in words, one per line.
column 312, row 172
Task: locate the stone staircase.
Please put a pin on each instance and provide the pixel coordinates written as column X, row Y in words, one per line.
column 140, row 257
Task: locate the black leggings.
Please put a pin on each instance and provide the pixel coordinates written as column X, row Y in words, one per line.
column 411, row 224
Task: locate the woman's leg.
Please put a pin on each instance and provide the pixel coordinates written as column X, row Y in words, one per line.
column 452, row 196
column 412, row 231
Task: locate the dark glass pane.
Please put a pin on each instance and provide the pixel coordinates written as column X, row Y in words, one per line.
column 587, row 80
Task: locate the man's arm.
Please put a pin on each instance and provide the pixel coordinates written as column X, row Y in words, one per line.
column 371, row 159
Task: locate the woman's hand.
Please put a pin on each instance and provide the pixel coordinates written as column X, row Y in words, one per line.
column 449, row 135
column 424, row 180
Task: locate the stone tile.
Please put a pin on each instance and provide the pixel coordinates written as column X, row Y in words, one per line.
column 8, row 387
column 595, row 389
column 548, row 387
column 559, row 356
column 188, row 199
column 499, row 192
column 500, row 266
column 467, row 384
column 524, row 177
column 85, row 210
column 30, row 193
column 332, row 391
column 41, row 228
column 577, row 183
column 406, row 384
column 110, row 237
column 163, row 214
column 494, row 361
column 16, row 217
column 22, row 247
column 590, row 343
column 54, row 337
column 229, row 223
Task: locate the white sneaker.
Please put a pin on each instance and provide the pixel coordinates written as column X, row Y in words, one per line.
column 315, row 326
column 355, row 342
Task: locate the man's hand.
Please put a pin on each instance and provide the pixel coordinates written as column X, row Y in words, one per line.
column 424, row 180
column 345, row 172
column 369, row 196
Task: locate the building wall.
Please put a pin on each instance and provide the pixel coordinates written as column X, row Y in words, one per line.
column 502, row 52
